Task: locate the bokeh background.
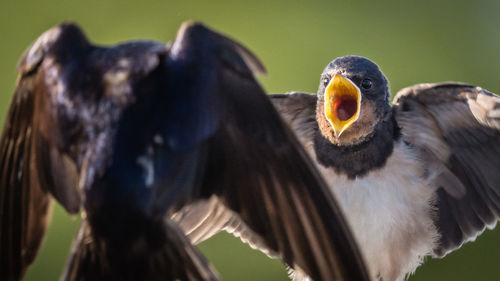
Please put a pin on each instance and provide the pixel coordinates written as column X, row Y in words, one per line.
column 413, row 42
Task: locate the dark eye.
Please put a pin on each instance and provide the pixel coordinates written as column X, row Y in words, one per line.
column 366, row 83
column 325, row 81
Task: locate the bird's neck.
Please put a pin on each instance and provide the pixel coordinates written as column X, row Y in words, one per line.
column 359, row 159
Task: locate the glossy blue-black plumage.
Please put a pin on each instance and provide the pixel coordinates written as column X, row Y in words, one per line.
column 89, row 115
column 141, row 130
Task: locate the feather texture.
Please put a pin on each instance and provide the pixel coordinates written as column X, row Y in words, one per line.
column 455, row 128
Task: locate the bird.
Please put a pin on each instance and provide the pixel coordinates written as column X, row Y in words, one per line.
column 137, row 133
column 415, row 178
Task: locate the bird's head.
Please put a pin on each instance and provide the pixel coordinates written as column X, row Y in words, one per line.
column 353, row 96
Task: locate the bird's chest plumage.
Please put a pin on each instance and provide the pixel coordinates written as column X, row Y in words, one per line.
column 389, row 210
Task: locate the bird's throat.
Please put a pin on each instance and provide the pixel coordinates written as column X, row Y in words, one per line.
column 344, row 108
column 356, row 160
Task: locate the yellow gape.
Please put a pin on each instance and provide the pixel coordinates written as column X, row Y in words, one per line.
column 342, row 103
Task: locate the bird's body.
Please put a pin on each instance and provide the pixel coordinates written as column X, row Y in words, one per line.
column 384, row 205
column 135, row 132
column 404, row 175
column 80, row 108
column 390, row 210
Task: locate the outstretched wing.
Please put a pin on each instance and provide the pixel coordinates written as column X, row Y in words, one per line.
column 456, row 129
column 63, row 79
column 299, row 112
column 252, row 163
column 31, row 166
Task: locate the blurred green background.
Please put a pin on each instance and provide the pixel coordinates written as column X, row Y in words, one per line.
column 413, row 42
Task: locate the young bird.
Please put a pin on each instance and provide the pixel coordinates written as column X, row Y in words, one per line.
column 417, row 178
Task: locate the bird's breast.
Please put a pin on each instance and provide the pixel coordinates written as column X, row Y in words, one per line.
column 389, row 211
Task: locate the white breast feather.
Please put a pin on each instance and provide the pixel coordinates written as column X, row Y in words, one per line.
column 390, row 212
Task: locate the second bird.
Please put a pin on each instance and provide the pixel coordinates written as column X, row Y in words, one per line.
column 417, row 178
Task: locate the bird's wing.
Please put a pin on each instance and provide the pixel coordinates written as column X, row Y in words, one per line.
column 298, row 111
column 30, row 166
column 456, row 130
column 252, row 162
column 59, row 72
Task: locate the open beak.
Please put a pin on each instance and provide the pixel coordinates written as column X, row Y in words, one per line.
column 342, row 103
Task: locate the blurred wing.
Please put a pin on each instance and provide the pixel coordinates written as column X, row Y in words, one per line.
column 298, row 110
column 456, row 129
column 24, row 204
column 256, row 168
column 30, row 167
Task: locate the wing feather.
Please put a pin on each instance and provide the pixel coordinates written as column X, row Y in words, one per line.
column 255, row 167
column 455, row 126
column 30, row 166
column 24, row 204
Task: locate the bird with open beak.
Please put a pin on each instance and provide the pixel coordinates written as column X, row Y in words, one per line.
column 417, row 178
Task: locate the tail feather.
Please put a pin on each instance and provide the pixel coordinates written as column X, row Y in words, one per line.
column 93, row 258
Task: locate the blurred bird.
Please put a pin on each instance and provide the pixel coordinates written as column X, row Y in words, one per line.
column 417, row 178
column 137, row 131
